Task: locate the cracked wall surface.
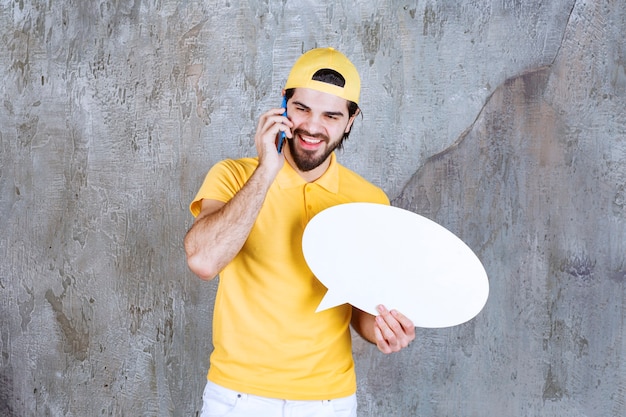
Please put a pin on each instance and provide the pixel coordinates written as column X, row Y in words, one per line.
column 503, row 121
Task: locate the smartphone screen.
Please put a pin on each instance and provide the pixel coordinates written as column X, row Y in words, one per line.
column 281, row 135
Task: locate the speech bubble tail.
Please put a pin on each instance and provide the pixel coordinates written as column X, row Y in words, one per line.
column 328, row 302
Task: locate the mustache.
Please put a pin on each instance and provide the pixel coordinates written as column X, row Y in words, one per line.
column 302, row 132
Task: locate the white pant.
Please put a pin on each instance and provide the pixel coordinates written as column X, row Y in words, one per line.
column 223, row 402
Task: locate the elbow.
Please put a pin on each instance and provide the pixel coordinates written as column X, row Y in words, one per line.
column 198, row 262
column 203, row 270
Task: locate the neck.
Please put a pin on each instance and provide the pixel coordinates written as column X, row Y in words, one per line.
column 308, row 176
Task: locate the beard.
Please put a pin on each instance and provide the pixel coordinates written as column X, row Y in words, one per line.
column 309, row 160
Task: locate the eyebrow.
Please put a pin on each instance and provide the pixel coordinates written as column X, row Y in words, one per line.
column 327, row 113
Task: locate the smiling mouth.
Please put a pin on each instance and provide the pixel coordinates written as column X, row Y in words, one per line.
column 311, row 141
column 308, row 139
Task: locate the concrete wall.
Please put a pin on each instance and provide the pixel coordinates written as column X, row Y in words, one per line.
column 502, row 120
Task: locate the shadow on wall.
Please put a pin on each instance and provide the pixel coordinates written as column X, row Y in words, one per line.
column 533, row 187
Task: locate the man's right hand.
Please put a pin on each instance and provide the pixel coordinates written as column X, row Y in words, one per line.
column 270, row 125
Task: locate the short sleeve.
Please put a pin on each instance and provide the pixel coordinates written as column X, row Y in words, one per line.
column 222, row 182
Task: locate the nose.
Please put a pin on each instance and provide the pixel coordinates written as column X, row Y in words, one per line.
column 314, row 124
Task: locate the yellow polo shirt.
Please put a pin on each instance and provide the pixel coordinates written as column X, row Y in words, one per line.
column 267, row 338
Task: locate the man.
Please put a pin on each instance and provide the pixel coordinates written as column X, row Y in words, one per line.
column 273, row 355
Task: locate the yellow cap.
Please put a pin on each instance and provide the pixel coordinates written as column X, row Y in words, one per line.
column 301, row 75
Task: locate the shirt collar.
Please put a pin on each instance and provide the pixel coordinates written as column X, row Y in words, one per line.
column 289, row 178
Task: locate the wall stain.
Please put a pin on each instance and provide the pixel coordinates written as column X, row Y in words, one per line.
column 192, row 33
column 563, row 337
column 552, row 390
column 26, row 308
column 371, row 39
column 6, row 392
column 76, row 342
column 411, row 11
column 581, row 267
column 432, row 25
column 26, row 131
column 137, row 315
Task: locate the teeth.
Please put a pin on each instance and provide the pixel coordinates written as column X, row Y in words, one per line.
column 312, row 141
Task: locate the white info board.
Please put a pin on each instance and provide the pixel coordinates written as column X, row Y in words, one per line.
column 368, row 254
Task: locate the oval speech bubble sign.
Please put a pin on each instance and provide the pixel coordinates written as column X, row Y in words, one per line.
column 369, row 254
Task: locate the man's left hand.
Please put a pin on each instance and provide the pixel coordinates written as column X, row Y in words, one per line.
column 393, row 330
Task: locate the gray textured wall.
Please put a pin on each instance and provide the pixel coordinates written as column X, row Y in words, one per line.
column 502, row 120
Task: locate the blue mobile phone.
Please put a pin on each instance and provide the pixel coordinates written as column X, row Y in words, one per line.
column 281, row 135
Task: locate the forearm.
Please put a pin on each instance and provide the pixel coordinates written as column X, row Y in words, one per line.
column 217, row 236
column 363, row 323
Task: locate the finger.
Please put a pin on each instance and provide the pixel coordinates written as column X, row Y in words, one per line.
column 381, row 343
column 270, row 117
column 390, row 320
column 406, row 323
column 263, row 119
column 385, row 321
column 273, row 114
column 394, row 328
column 394, row 319
column 387, row 332
column 273, row 125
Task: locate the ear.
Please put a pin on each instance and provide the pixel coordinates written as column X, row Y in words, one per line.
column 351, row 120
